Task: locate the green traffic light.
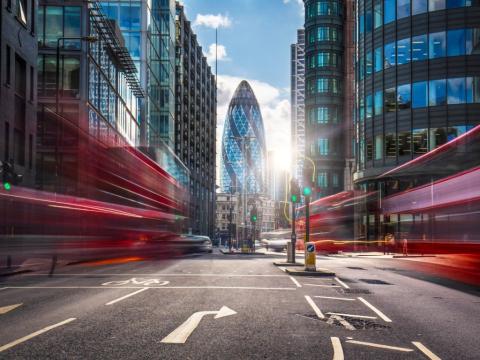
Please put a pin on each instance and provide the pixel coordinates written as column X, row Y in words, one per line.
column 254, row 218
column 294, row 198
column 307, row 191
column 7, row 186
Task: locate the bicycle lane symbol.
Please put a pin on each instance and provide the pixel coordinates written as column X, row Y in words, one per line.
column 137, row 281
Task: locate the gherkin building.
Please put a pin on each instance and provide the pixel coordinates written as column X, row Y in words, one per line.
column 243, row 144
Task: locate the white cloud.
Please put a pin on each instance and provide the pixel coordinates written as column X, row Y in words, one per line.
column 274, row 105
column 212, row 21
column 221, row 53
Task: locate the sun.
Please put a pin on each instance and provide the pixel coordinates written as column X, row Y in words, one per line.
column 282, row 158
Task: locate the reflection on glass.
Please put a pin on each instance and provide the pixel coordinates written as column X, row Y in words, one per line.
column 378, row 59
column 419, row 6
column 404, row 143
column 369, row 149
column 456, row 42
column 378, row 103
column 419, row 47
column 390, row 101
column 437, row 137
column 403, row 8
column 434, row 5
column 389, row 55
column 403, row 51
column 388, row 11
column 378, row 18
column 53, row 25
column 369, row 106
column 437, row 92
column 419, row 94
column 378, row 147
column 456, row 91
column 420, row 141
column 369, row 63
column 404, row 96
column 472, row 41
column 436, row 44
column 390, row 145
column 368, row 21
column 455, row 3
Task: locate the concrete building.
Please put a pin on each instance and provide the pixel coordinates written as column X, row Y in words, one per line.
column 227, row 205
column 18, row 74
column 195, row 126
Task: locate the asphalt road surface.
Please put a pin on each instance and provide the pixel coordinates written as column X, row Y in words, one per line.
column 215, row 306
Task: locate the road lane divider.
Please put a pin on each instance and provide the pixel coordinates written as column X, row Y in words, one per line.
column 126, row 296
column 353, row 316
column 425, row 350
column 341, row 283
column 295, row 282
column 334, row 298
column 315, row 308
column 321, row 285
column 375, row 310
column 36, row 333
column 6, row 309
column 337, row 348
column 156, row 288
column 380, row 346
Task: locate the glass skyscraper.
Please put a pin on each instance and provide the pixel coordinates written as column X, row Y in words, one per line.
column 243, row 144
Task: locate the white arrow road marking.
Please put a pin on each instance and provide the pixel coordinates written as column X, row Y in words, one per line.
column 380, row 346
column 378, row 312
column 6, row 309
column 337, row 348
column 36, row 333
column 181, row 334
column 426, row 351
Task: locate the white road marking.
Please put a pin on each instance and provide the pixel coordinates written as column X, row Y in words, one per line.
column 160, row 274
column 4, row 288
column 315, row 307
column 283, row 269
column 319, row 285
column 137, row 281
column 295, row 282
column 351, row 315
column 425, row 350
column 337, row 348
column 378, row 312
column 380, row 346
column 181, row 334
column 342, row 283
column 6, row 309
column 334, row 298
column 126, row 296
column 156, row 288
column 32, row 335
column 341, row 320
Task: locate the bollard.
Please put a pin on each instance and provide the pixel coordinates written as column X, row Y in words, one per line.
column 310, row 257
column 289, row 252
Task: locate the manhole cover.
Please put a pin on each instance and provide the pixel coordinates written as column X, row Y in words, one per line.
column 353, row 291
column 375, row 282
column 355, row 268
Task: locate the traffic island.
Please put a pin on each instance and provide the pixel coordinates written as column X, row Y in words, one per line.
column 302, row 272
column 234, row 252
column 279, row 263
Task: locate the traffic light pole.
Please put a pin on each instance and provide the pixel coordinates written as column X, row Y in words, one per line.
column 294, row 235
column 307, row 219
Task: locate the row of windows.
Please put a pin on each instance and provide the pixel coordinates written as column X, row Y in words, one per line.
column 323, row 59
column 421, row 94
column 324, row 33
column 322, row 8
column 326, row 179
column 390, row 10
column 323, row 115
column 324, row 147
column 427, row 46
column 59, row 21
column 323, row 85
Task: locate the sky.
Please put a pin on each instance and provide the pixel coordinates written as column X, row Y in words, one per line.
column 254, row 38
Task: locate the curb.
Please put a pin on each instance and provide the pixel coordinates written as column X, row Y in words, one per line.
column 17, row 272
column 288, row 264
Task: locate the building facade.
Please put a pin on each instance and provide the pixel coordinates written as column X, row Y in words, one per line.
column 227, row 207
column 297, row 99
column 18, row 74
column 195, row 126
column 417, row 85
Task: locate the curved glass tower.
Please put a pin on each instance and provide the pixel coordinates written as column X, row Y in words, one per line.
column 243, row 144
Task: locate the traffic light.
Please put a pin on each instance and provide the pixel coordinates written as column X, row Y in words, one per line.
column 253, row 214
column 9, row 176
column 294, row 191
column 308, row 180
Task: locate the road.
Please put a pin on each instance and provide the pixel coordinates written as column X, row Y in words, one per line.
column 215, row 306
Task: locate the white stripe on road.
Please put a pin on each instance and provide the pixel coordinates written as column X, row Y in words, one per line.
column 337, row 348
column 351, row 315
column 283, row 269
column 6, row 309
column 341, row 320
column 334, row 298
column 4, row 288
column 160, row 274
column 319, row 285
column 380, row 346
column 32, row 335
column 126, row 296
column 342, row 283
column 156, row 288
column 314, row 307
column 425, row 350
column 295, row 282
column 378, row 312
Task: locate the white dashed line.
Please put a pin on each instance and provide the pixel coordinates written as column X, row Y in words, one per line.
column 126, row 296
column 36, row 333
column 337, row 348
column 155, row 288
column 334, row 298
column 426, row 351
column 354, row 316
column 380, row 346
column 378, row 312
column 314, row 307
column 319, row 285
column 342, row 283
column 295, row 281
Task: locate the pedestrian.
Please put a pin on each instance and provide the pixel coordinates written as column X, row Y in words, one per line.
column 405, row 247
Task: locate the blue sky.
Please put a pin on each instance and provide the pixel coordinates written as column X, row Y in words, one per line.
column 254, row 44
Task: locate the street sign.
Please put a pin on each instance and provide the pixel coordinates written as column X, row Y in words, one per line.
column 310, row 257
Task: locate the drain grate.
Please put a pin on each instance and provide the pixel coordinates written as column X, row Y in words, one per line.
column 375, row 282
column 355, row 268
column 353, row 291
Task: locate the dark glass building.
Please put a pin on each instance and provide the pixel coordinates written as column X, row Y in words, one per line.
column 195, row 125
column 417, row 87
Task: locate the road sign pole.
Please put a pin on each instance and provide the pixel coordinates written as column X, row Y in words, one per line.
column 294, row 235
column 307, row 219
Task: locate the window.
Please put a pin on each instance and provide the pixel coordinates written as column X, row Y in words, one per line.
column 437, row 137
column 378, row 147
column 456, row 91
column 404, row 97
column 322, row 115
column 456, row 42
column 369, row 149
column 455, row 131
column 391, row 145
column 403, row 51
column 378, row 17
column 361, row 23
column 323, row 147
column 455, row 3
column 335, row 180
column 420, row 141
column 53, row 25
column 368, row 21
column 327, row 8
column 322, row 179
column 404, row 143
column 369, row 106
column 378, row 107
column 326, row 33
column 434, row 5
column 388, row 11
column 419, row 94
column 403, row 8
column 22, row 11
column 436, row 45
column 322, row 85
column 389, row 55
column 369, row 63
column 71, row 76
column 378, row 59
column 437, row 92
column 72, row 27
column 472, row 41
column 59, row 22
column 419, row 6
column 419, row 48
column 469, row 89
column 390, row 103
column 326, row 59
